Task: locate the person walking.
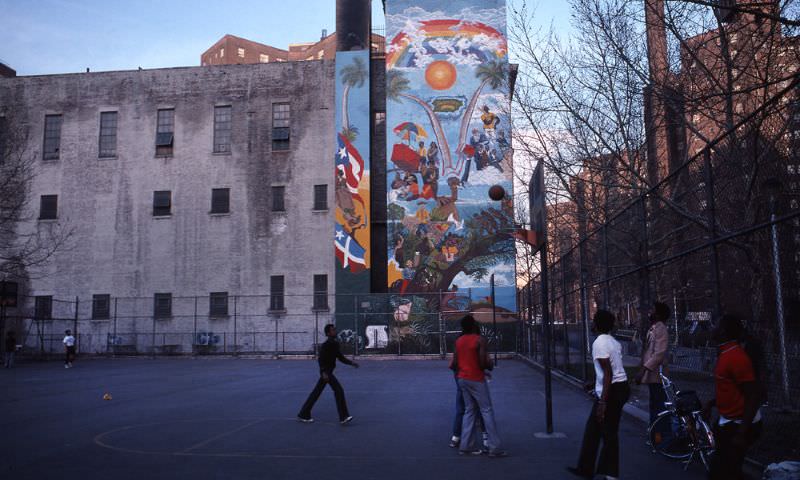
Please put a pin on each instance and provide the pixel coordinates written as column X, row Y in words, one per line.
column 654, row 358
column 738, row 397
column 11, row 347
column 471, row 359
column 69, row 349
column 329, row 352
column 612, row 391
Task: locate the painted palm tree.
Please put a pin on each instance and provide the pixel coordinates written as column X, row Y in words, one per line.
column 397, row 86
column 493, row 74
column 353, row 75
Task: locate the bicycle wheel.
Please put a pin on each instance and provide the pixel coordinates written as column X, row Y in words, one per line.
column 669, row 437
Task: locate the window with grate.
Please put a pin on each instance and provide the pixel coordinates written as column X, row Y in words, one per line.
column 162, row 203
column 240, row 52
column 222, row 129
column 278, row 196
column 320, row 292
column 101, row 306
column 220, row 200
column 276, row 293
column 162, row 305
column 52, row 137
column 108, row 134
column 320, row 197
column 43, row 307
column 48, row 207
column 379, row 123
column 281, row 119
column 165, row 132
column 218, row 304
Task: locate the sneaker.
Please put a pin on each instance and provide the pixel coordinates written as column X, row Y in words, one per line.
column 347, row 420
column 474, row 453
column 454, row 442
column 66, row 366
column 578, row 473
column 305, row 419
column 498, row 454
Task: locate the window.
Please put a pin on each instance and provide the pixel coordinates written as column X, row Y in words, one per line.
column 278, row 193
column 240, row 52
column 43, row 307
column 281, row 118
column 162, row 305
column 48, row 207
column 101, row 307
column 162, row 203
column 276, row 292
column 108, row 134
column 218, row 304
column 52, row 137
column 221, row 52
column 320, row 197
column 222, row 129
column 220, row 200
column 263, row 58
column 165, row 132
column 379, row 123
column 320, row 292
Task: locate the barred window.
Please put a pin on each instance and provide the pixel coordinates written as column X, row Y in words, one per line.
column 379, row 123
column 52, row 137
column 278, row 196
column 276, row 293
column 222, row 129
column 165, row 132
column 281, row 119
column 162, row 305
column 320, row 292
column 320, row 197
column 43, row 307
column 48, row 207
column 220, row 200
column 218, row 304
column 101, row 307
column 108, row 134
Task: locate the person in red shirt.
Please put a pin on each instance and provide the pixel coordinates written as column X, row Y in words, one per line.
column 470, row 360
column 737, row 400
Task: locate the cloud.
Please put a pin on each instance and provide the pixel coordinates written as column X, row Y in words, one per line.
column 488, row 176
column 504, row 276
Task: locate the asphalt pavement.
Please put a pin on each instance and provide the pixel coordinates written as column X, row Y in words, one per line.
column 235, row 419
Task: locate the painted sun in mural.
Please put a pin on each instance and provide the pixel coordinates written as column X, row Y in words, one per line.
column 440, row 75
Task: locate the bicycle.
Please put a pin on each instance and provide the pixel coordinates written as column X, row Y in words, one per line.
column 680, row 432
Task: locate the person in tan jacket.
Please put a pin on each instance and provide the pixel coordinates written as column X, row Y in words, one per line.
column 654, row 357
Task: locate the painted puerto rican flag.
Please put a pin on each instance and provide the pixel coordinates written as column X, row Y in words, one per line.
column 348, row 251
column 350, row 162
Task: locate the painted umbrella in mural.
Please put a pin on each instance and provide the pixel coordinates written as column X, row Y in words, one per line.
column 405, row 130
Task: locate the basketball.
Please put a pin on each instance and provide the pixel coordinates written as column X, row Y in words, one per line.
column 496, row 192
column 106, row 396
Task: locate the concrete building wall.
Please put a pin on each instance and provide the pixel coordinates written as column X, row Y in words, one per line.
column 119, row 248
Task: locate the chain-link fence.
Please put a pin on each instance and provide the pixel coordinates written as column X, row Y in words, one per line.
column 409, row 324
column 714, row 237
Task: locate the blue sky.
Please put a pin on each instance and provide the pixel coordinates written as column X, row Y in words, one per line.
column 63, row 36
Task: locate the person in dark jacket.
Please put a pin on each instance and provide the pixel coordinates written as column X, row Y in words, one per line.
column 328, row 354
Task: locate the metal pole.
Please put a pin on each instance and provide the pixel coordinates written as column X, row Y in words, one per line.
column 235, row 340
column 194, row 331
column 712, row 224
column 548, row 375
column 776, row 270
column 494, row 319
column 316, row 333
column 584, row 326
column 530, row 315
column 605, row 261
column 114, row 346
column 75, row 321
column 564, row 303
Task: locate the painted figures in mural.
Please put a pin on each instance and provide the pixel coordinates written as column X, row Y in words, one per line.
column 351, row 184
column 448, row 142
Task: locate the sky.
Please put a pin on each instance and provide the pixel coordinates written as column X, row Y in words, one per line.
column 66, row 36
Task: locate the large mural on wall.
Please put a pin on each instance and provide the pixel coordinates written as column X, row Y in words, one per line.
column 448, row 141
column 351, row 184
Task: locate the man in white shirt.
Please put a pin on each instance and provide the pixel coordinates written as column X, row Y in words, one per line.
column 612, row 391
column 69, row 349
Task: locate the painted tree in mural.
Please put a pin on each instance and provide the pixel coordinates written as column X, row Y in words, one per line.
column 397, row 86
column 353, row 75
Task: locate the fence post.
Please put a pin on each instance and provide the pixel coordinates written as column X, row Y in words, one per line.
column 114, row 344
column 75, row 321
column 712, row 224
column 584, row 325
column 194, row 331
column 494, row 318
column 776, row 271
column 355, row 325
column 564, row 306
column 235, row 336
column 644, row 285
column 605, row 263
column 316, row 333
column 153, row 337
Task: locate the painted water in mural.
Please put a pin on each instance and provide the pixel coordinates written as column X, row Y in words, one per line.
column 448, row 141
column 352, row 229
